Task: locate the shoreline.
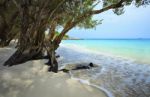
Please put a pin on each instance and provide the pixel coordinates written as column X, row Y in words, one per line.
column 101, row 89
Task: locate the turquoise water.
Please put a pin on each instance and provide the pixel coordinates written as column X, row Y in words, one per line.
column 138, row 50
column 123, row 65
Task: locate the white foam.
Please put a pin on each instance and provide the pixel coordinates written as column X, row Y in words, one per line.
column 98, row 87
column 81, row 81
column 87, row 82
column 109, row 94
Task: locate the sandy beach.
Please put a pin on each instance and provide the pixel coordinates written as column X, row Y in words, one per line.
column 31, row 79
column 60, row 85
column 114, row 76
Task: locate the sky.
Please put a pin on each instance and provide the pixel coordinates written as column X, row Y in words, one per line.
column 134, row 23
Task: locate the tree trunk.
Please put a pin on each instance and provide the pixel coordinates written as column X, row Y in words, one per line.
column 4, row 43
column 52, row 62
column 6, row 33
column 31, row 41
column 21, row 56
column 51, row 55
column 28, row 48
column 3, row 32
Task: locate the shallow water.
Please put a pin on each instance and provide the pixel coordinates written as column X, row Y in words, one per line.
column 138, row 50
column 120, row 75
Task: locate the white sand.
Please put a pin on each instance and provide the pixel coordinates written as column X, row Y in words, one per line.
column 60, row 85
column 31, row 79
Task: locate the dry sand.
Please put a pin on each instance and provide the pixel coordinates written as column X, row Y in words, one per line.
column 60, row 85
column 31, row 79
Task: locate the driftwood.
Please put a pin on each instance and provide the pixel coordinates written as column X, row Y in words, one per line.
column 79, row 67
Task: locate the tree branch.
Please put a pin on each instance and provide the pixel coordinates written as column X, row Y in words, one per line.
column 70, row 24
column 113, row 6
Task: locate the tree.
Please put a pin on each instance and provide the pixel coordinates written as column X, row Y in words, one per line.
column 35, row 16
column 8, row 21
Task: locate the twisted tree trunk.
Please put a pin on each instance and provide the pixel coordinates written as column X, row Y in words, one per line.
column 51, row 56
column 31, row 42
column 3, row 33
column 29, row 48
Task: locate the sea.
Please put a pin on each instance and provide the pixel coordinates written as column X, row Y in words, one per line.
column 123, row 64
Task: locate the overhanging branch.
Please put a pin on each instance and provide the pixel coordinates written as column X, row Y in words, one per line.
column 113, row 6
column 70, row 24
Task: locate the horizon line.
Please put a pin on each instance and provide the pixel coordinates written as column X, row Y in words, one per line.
column 113, row 38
